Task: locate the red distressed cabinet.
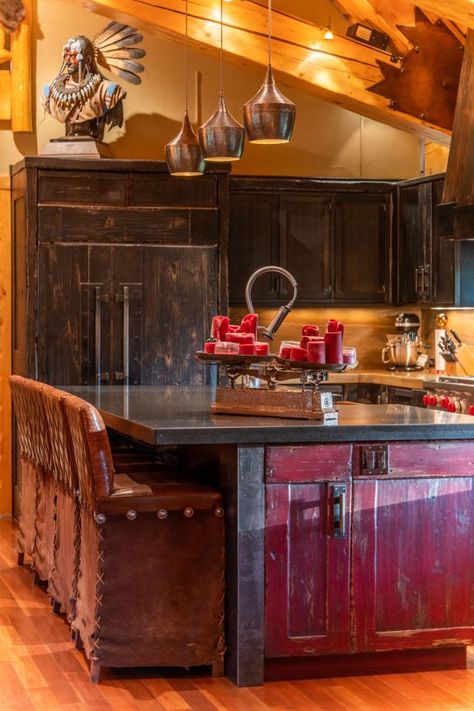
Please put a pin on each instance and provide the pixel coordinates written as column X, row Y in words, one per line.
column 369, row 547
column 413, row 549
column 308, row 533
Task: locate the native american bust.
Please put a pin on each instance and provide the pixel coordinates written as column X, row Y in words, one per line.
column 80, row 96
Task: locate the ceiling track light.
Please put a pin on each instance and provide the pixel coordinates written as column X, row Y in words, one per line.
column 183, row 154
column 221, row 137
column 269, row 117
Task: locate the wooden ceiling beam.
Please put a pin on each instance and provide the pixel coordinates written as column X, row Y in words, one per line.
column 459, row 11
column 339, row 71
column 380, row 16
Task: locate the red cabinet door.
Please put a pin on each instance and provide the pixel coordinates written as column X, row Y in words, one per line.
column 307, row 568
column 413, row 547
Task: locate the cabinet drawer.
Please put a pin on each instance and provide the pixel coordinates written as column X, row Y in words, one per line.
column 407, row 459
column 318, row 462
column 93, row 188
column 165, row 190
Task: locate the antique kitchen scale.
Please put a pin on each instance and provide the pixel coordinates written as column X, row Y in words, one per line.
column 255, row 384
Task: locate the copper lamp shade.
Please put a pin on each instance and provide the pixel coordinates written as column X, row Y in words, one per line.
column 183, row 153
column 269, row 117
column 221, row 137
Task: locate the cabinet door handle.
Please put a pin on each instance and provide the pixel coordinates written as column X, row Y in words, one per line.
column 426, row 280
column 99, row 375
column 338, row 511
column 419, row 276
column 124, row 297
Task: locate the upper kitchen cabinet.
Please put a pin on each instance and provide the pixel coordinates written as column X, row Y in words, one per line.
column 426, row 263
column 333, row 236
column 118, row 269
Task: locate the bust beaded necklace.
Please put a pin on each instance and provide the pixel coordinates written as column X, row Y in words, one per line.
column 66, row 96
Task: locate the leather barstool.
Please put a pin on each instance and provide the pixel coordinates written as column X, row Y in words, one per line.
column 65, row 561
column 28, row 469
column 151, row 578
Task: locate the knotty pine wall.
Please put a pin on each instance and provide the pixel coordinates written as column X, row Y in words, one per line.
column 5, row 350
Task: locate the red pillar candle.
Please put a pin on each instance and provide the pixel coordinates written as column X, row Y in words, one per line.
column 304, row 340
column 333, row 340
column 247, row 349
column 309, row 330
column 317, row 351
column 261, row 348
column 209, row 347
column 240, row 337
column 297, row 353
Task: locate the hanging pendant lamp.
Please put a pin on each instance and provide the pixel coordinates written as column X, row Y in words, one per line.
column 269, row 117
column 221, row 137
column 183, row 153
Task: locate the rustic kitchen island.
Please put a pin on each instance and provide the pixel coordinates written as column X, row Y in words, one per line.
column 350, row 546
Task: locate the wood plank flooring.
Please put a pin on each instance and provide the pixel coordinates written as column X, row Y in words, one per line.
column 40, row 670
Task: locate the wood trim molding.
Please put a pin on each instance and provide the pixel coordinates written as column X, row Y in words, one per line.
column 5, row 349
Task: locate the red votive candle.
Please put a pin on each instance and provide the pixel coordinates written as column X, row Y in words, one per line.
column 261, row 348
column 333, row 340
column 247, row 349
column 240, row 337
column 209, row 347
column 285, row 352
column 297, row 353
column 317, row 351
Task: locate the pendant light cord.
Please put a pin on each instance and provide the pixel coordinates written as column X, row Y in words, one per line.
column 269, row 32
column 221, row 78
column 186, row 57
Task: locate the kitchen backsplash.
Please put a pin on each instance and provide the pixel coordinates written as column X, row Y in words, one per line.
column 365, row 328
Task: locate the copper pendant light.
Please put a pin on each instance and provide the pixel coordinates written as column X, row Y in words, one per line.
column 183, row 153
column 221, row 137
column 269, row 117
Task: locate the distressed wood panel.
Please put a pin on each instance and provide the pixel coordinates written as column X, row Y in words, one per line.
column 413, row 547
column 92, row 224
column 92, row 188
column 408, row 459
column 307, row 572
column 168, row 191
column 179, row 299
column 308, row 463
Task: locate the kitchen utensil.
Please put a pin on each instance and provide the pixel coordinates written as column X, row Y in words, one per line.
column 401, row 353
column 464, row 354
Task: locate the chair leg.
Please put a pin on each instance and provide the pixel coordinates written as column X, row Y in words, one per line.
column 95, row 672
column 55, row 607
column 218, row 668
column 20, row 559
column 77, row 640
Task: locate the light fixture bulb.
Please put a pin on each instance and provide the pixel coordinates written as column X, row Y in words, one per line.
column 328, row 33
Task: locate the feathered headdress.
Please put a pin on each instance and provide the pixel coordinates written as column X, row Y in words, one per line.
column 114, row 50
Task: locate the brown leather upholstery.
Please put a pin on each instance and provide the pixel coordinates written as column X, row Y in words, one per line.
column 65, row 562
column 151, row 583
column 37, row 509
column 28, row 467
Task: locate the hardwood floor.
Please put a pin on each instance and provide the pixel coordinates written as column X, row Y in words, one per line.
column 40, row 670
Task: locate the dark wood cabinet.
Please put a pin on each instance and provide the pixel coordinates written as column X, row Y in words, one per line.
column 118, row 270
column 333, row 236
column 369, row 548
column 426, row 260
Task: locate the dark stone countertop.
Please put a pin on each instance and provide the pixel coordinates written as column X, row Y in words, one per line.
column 181, row 415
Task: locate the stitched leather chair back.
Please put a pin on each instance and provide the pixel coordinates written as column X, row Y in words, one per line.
column 40, row 434
column 23, row 421
column 91, row 447
column 62, row 460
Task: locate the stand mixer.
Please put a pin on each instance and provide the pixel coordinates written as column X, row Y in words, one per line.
column 403, row 349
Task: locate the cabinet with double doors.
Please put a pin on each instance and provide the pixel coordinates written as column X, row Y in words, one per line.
column 359, row 548
column 118, row 269
column 333, row 236
column 426, row 260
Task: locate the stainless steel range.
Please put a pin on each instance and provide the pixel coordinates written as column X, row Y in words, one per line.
column 452, row 393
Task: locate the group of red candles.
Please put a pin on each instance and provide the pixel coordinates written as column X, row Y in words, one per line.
column 314, row 348
column 245, row 335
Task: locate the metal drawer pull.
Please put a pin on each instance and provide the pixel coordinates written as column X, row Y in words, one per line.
column 339, row 511
column 99, row 375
